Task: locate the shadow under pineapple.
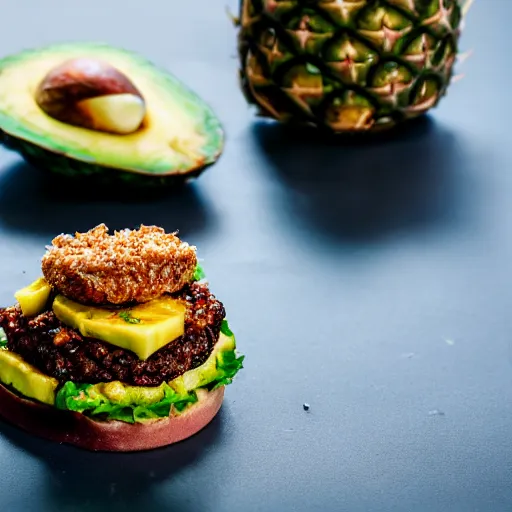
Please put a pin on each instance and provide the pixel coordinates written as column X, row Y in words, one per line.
column 363, row 188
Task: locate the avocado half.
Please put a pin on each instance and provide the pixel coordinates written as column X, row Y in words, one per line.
column 179, row 138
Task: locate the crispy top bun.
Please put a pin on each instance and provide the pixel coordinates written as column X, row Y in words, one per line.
column 128, row 266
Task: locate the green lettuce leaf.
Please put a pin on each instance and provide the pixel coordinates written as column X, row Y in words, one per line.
column 199, row 274
column 224, row 329
column 3, row 339
column 88, row 399
column 228, row 365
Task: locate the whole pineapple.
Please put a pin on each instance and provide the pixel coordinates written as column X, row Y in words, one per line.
column 347, row 65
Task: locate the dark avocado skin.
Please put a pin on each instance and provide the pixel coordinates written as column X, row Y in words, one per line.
column 80, row 173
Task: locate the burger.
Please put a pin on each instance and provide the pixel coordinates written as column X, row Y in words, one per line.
column 118, row 346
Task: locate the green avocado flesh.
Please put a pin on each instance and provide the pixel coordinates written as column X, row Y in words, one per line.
column 117, row 401
column 179, row 137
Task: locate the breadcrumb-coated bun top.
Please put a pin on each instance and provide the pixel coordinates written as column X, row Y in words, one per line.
column 101, row 249
column 131, row 265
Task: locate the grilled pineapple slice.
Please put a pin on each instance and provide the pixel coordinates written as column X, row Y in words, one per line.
column 33, row 298
column 142, row 329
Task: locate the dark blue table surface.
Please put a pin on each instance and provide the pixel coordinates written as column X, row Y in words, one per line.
column 372, row 281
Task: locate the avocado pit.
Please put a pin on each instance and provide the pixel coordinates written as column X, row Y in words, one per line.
column 91, row 93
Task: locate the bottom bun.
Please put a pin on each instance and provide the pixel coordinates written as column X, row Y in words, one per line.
column 74, row 428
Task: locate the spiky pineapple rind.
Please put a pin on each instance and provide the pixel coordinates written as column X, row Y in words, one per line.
column 353, row 66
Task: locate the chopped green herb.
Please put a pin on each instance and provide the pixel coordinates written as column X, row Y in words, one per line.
column 3, row 339
column 127, row 317
column 312, row 69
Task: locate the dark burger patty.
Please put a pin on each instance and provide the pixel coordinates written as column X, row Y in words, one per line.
column 63, row 353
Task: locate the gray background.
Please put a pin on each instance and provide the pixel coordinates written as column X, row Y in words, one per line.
column 372, row 281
